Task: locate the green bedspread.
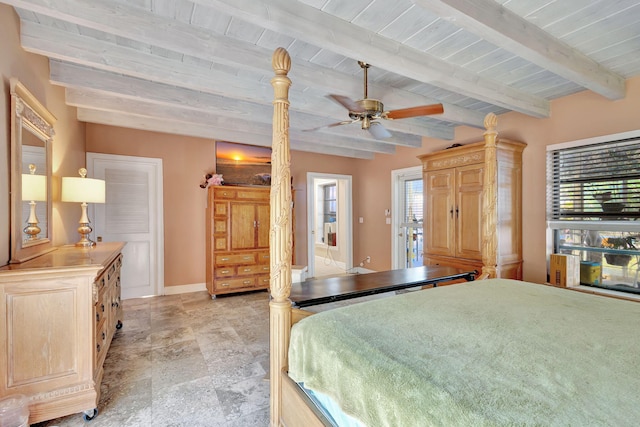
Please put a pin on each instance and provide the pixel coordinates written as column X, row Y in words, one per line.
column 494, row 352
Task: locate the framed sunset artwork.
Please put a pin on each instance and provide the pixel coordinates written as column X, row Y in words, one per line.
column 243, row 164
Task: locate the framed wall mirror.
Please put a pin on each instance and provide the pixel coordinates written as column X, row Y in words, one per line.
column 31, row 138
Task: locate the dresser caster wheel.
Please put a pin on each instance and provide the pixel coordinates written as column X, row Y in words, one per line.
column 90, row 414
column 119, row 325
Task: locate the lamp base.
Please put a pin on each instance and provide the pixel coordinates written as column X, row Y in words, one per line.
column 32, row 230
column 85, row 229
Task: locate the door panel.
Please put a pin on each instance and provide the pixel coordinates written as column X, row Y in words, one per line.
column 262, row 212
column 469, row 180
column 243, row 230
column 438, row 212
column 132, row 214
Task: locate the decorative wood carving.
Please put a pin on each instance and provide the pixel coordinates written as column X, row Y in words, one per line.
column 280, row 241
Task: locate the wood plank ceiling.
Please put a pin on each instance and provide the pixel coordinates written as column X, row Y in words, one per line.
column 203, row 67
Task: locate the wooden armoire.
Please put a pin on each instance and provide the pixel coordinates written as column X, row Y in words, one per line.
column 237, row 230
column 473, row 206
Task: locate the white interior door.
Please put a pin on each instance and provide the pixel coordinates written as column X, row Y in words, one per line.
column 132, row 214
column 407, row 218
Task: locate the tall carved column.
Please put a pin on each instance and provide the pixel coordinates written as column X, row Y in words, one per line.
column 490, row 199
column 280, row 237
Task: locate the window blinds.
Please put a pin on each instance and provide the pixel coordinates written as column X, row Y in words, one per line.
column 594, row 182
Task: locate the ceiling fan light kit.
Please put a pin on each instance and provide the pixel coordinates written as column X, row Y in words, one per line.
column 368, row 110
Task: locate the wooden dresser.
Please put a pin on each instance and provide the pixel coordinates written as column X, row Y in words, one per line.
column 237, row 239
column 473, row 207
column 58, row 314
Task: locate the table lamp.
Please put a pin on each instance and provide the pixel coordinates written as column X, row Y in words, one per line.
column 83, row 190
column 34, row 189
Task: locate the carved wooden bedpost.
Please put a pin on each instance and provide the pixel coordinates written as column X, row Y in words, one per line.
column 490, row 199
column 280, row 237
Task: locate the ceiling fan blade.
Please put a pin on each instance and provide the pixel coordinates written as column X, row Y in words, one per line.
column 378, row 131
column 345, row 122
column 423, row 110
column 347, row 103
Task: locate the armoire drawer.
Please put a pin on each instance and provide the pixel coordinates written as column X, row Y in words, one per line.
column 235, row 259
column 240, row 283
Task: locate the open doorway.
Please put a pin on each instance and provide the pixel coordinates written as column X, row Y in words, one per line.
column 329, row 224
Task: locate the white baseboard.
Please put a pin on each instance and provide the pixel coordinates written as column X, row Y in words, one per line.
column 184, row 289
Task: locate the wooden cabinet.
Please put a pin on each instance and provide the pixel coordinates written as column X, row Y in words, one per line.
column 463, row 188
column 237, row 239
column 58, row 314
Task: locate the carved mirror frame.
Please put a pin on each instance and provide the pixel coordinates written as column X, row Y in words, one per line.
column 28, row 115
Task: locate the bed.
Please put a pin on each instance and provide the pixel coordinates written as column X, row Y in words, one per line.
column 494, row 352
column 490, row 352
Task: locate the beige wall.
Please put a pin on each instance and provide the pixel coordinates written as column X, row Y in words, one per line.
column 68, row 146
column 185, row 161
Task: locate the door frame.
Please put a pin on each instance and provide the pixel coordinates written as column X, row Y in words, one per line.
column 311, row 208
column 398, row 176
column 157, row 165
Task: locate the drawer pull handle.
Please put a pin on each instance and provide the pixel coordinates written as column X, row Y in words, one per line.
column 246, row 270
column 247, row 258
column 246, row 282
column 98, row 348
column 102, row 307
column 224, row 284
column 104, row 336
column 224, row 259
column 97, row 317
column 265, row 268
column 226, row 271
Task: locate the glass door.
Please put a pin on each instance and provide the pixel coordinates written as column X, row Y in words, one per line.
column 408, row 218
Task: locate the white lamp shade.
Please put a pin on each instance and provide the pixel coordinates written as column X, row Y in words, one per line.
column 77, row 189
column 34, row 188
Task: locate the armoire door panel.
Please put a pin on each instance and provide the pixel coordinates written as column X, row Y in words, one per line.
column 262, row 215
column 439, row 205
column 469, row 181
column 243, row 227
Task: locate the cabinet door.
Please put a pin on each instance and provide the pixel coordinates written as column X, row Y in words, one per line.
column 262, row 215
column 243, row 226
column 469, row 180
column 439, row 206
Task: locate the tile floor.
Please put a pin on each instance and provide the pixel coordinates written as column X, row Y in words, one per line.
column 186, row 360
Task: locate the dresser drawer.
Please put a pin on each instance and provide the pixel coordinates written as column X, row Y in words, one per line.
column 231, row 284
column 101, row 311
column 225, row 271
column 101, row 344
column 252, row 194
column 224, row 193
column 235, row 259
column 252, row 269
column 263, row 257
column 263, row 281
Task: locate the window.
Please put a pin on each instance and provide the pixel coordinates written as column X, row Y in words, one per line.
column 329, row 208
column 329, row 203
column 595, row 182
column 593, row 207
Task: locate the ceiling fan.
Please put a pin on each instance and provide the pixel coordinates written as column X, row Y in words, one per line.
column 368, row 110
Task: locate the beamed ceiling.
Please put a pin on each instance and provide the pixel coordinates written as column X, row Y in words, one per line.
column 203, row 67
